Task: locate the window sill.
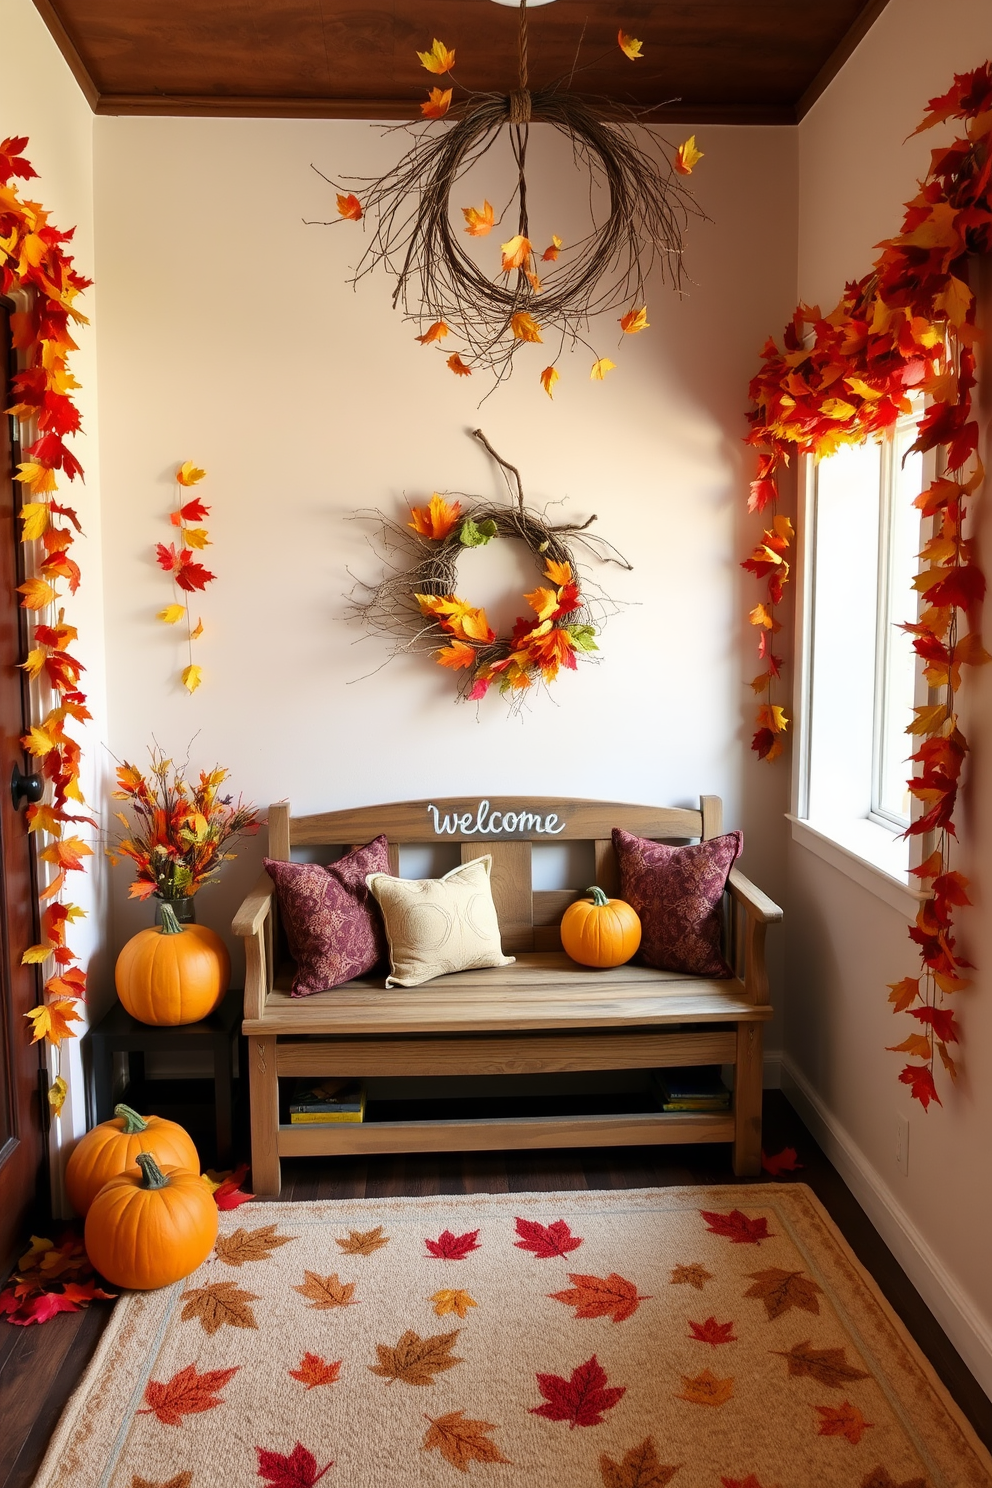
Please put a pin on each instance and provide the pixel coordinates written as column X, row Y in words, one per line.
column 870, row 855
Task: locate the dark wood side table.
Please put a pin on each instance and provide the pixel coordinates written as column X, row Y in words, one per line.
column 119, row 1033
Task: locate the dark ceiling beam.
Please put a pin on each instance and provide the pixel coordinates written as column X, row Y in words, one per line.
column 845, row 48
column 67, row 47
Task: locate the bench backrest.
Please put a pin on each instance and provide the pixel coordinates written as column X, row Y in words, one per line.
column 508, row 828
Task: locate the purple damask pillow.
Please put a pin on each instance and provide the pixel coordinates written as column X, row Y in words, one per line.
column 677, row 893
column 333, row 924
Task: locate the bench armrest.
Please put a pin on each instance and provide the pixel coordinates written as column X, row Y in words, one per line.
column 254, row 923
column 758, row 905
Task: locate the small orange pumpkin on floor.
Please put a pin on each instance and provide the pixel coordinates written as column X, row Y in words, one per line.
column 152, row 1228
column 172, row 973
column 597, row 931
column 112, row 1148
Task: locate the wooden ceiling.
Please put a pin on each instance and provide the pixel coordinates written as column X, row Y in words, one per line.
column 706, row 61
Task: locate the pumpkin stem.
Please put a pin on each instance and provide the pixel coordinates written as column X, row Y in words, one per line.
column 133, row 1123
column 151, row 1174
column 170, row 925
column 597, row 896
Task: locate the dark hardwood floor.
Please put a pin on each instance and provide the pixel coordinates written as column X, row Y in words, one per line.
column 40, row 1366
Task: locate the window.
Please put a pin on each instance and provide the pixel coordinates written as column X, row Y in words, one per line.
column 862, row 541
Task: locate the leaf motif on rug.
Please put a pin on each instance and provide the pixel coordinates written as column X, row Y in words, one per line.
column 694, row 1276
column 546, row 1241
column 782, row 1290
column 460, row 1440
column 181, row 1480
column 243, row 1245
column 448, row 1301
column 712, row 1332
column 749, row 1482
column 312, row 1371
column 363, row 1242
column 880, row 1477
column 325, row 1292
column 736, row 1227
column 187, row 1393
column 639, row 1468
column 843, row 1420
column 449, row 1247
column 416, row 1360
column 218, row 1304
column 596, row 1296
column 297, row 1470
column 827, row 1366
column 705, row 1389
column 582, row 1399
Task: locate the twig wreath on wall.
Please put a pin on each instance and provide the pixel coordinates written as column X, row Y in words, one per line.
column 448, row 292
column 908, row 325
column 416, row 607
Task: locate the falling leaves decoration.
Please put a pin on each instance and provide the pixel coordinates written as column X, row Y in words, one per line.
column 298, row 1469
column 498, row 305
column 582, row 1399
column 827, row 1366
column 188, row 576
column 780, row 1291
column 34, row 262
column 839, row 379
column 416, row 1360
column 706, row 1389
column 461, row 1441
column 449, row 1247
column 546, row 1241
column 842, row 1420
column 736, row 1227
column 639, row 1467
column 242, row 1246
column 221, row 1304
column 312, row 1371
column 187, row 1393
column 362, row 1242
column 324, row 1293
column 595, row 1296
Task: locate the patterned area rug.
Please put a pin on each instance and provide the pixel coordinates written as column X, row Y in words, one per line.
column 704, row 1337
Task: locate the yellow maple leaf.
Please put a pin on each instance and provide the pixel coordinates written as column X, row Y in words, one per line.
column 955, row 300
column 630, row 46
column 686, row 156
column 57, row 1092
column 600, row 369
column 189, row 474
column 543, row 601
column 439, row 59
column 479, row 223
column 197, row 631
column 192, row 677
column 196, row 537
column 634, row 321
column 771, row 716
column 760, row 683
column 38, row 741
column 37, row 520
column 837, row 408
column 475, row 625
column 37, row 478
column 34, row 662
column 51, row 1021
column 436, row 519
column 525, row 327
column 762, row 615
column 435, row 332
column 171, row 613
column 437, row 104
column 558, row 573
column 549, row 377
column 448, row 1301
column 35, row 954
column 550, row 254
column 37, row 594
column 516, row 252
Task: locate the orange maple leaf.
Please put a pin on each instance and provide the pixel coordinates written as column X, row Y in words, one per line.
column 439, row 59
column 458, row 366
column 51, row 1021
column 686, row 156
column 436, row 519
column 313, row 1371
column 349, row 206
column 558, row 573
column 635, row 320
column 706, row 1389
column 436, row 332
column 600, row 369
column 459, row 654
column 549, row 377
column 595, row 1296
column 630, row 46
column 525, row 327
column 479, row 223
column 516, row 252
column 68, row 852
column 843, row 1420
column 437, row 104
column 550, row 254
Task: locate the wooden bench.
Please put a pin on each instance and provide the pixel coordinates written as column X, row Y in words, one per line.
column 542, row 1014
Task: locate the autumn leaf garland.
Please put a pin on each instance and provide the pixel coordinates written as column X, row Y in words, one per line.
column 839, row 379
column 33, row 259
column 188, row 576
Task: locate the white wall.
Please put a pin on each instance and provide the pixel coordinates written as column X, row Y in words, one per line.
column 40, row 98
column 843, row 945
column 228, row 335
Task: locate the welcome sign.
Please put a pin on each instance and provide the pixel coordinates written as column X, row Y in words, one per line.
column 485, row 822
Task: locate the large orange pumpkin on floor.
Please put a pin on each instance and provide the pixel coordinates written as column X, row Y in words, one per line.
column 150, row 1229
column 112, row 1147
column 597, row 931
column 172, row 973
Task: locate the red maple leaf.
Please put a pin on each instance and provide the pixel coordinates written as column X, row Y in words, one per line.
column 546, row 1240
column 229, row 1195
column 193, row 511
column 12, row 162
column 298, row 1470
column 736, row 1227
column 190, row 575
column 712, row 1332
column 941, row 1020
column 449, row 1247
column 843, row 1420
column 780, row 1162
column 186, row 1394
column 920, row 1079
column 579, row 1400
column 749, row 1482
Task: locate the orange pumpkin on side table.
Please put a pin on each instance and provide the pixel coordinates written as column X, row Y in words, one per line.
column 150, row 1229
column 597, row 931
column 172, row 973
column 112, row 1148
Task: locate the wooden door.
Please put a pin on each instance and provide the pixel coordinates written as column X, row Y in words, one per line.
column 23, row 1119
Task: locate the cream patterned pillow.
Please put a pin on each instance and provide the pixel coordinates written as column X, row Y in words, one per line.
column 439, row 925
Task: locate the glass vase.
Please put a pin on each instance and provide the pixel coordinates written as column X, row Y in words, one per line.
column 184, row 909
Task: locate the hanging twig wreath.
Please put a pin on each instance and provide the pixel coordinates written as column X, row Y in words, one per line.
column 418, row 609
column 442, row 287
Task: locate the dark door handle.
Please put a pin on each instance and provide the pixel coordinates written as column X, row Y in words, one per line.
column 25, row 788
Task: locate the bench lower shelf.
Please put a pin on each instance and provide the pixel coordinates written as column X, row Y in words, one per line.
column 484, row 1135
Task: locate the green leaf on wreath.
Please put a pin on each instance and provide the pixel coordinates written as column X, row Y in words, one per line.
column 582, row 637
column 476, row 534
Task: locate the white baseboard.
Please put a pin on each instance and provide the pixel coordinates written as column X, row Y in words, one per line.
column 951, row 1306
